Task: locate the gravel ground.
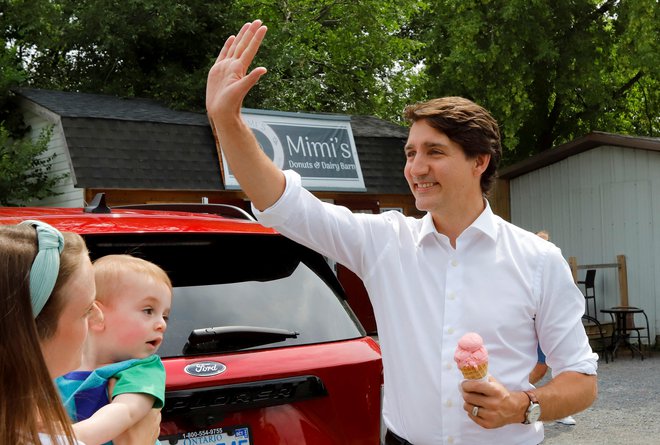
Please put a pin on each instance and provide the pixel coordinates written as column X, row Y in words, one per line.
column 627, row 408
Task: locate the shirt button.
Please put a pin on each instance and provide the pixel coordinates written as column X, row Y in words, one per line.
column 448, row 403
column 450, row 331
column 450, row 440
column 452, row 295
column 454, row 263
column 448, row 365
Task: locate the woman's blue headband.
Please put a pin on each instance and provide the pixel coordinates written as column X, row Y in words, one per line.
column 46, row 265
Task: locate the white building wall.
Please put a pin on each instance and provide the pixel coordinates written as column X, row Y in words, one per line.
column 38, row 119
column 596, row 205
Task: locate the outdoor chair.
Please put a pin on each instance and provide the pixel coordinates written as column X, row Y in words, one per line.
column 600, row 342
column 589, row 290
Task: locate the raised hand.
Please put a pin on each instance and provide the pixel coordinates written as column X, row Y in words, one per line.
column 228, row 81
column 227, row 85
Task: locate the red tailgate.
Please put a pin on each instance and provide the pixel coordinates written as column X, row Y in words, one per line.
column 299, row 412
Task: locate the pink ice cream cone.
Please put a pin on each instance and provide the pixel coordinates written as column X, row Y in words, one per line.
column 471, row 356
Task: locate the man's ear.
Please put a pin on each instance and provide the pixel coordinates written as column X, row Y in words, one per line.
column 481, row 162
column 96, row 318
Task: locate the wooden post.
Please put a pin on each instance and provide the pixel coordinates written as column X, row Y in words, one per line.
column 500, row 199
column 623, row 279
column 572, row 262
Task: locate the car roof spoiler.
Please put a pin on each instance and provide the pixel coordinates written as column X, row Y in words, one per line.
column 98, row 205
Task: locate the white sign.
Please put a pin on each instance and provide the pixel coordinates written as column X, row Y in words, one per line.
column 320, row 148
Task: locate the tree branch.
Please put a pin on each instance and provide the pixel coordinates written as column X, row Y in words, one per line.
column 617, row 94
column 626, row 86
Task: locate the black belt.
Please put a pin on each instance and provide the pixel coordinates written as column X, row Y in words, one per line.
column 393, row 439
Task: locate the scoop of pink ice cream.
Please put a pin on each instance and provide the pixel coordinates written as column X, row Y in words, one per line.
column 470, row 351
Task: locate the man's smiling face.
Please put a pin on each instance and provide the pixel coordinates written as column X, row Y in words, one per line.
column 438, row 173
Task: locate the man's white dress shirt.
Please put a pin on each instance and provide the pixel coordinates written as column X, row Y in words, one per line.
column 508, row 285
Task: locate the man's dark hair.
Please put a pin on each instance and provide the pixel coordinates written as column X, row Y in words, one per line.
column 466, row 123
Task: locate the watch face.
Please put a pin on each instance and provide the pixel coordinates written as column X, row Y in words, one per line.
column 533, row 413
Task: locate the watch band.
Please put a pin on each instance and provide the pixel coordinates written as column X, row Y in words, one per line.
column 533, row 410
column 532, row 397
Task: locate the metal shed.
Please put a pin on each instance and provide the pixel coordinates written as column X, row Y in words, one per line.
column 599, row 197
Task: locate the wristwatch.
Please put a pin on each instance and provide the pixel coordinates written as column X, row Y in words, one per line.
column 533, row 410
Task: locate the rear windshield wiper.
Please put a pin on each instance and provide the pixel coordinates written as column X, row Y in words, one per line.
column 233, row 338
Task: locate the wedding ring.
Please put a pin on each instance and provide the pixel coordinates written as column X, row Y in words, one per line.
column 475, row 411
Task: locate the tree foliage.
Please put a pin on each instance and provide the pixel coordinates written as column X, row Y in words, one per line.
column 549, row 70
column 24, row 170
column 329, row 55
column 342, row 56
column 11, row 75
column 143, row 48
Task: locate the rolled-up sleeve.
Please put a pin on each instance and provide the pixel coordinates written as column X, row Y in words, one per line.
column 277, row 214
column 562, row 336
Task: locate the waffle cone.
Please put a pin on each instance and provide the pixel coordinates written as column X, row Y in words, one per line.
column 471, row 373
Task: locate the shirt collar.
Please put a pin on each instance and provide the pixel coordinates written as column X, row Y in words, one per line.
column 485, row 223
column 427, row 228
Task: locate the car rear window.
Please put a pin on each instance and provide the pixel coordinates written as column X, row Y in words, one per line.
column 266, row 282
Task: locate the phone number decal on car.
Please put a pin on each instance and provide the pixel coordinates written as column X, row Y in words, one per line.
column 202, row 433
column 215, row 436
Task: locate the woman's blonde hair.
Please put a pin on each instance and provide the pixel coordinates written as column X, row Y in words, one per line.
column 30, row 403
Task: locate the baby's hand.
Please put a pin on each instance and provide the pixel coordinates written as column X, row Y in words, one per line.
column 145, row 432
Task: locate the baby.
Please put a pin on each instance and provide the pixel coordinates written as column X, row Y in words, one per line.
column 134, row 297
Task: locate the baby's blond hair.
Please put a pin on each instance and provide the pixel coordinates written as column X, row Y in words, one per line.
column 108, row 271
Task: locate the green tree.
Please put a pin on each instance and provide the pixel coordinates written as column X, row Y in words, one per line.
column 549, row 70
column 24, row 171
column 11, row 76
column 144, row 48
column 326, row 55
column 341, row 56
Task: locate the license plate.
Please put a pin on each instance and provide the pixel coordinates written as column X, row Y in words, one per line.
column 238, row 435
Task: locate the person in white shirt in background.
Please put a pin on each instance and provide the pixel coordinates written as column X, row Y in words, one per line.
column 459, row 268
column 541, row 367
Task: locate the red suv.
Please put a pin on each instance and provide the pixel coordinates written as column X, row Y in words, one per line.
column 261, row 347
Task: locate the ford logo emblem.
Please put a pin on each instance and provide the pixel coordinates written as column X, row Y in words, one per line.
column 204, row 369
